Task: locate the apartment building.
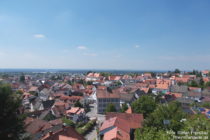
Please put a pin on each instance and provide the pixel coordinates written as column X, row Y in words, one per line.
column 104, row 98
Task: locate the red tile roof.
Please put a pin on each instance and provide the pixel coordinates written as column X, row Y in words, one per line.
column 56, row 122
column 101, row 87
column 116, row 134
column 183, row 80
column 147, row 75
column 177, row 95
column 117, row 122
column 114, row 78
column 106, row 94
column 36, row 126
column 206, row 79
column 205, row 72
column 75, row 110
column 93, row 75
column 67, row 133
column 134, row 120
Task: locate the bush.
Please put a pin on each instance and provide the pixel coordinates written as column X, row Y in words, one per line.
column 206, row 105
column 68, row 122
column 86, row 128
column 49, row 117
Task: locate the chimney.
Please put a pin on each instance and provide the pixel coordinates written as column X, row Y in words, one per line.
column 50, row 133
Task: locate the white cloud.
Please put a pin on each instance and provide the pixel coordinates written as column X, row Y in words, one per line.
column 90, row 54
column 136, row 46
column 82, row 47
column 39, row 36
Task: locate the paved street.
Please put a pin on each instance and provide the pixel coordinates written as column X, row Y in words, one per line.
column 93, row 111
column 93, row 115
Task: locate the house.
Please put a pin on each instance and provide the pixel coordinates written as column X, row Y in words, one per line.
column 194, row 89
column 104, row 98
column 47, row 104
column 52, row 130
column 205, row 73
column 114, row 78
column 90, row 89
column 101, row 88
column 176, row 95
column 78, row 87
column 135, row 120
column 185, row 101
column 179, row 89
column 61, row 133
column 120, row 126
column 34, row 90
column 76, row 114
column 44, row 94
column 206, row 79
column 147, row 75
column 67, row 99
column 59, row 109
column 140, row 92
column 196, row 96
column 206, row 92
column 126, row 98
column 92, row 77
column 181, row 80
column 127, row 79
column 162, row 86
column 35, row 104
column 115, row 128
column 126, row 94
column 34, row 126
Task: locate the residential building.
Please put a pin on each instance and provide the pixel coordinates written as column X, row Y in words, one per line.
column 104, row 98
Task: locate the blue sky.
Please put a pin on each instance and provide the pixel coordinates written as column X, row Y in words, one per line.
column 105, row 34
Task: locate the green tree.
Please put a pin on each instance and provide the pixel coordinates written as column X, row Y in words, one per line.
column 193, row 83
column 153, row 74
column 124, row 107
column 151, row 133
column 166, row 117
column 137, row 134
column 68, row 122
column 22, row 78
column 177, row 71
column 89, row 82
column 78, row 104
column 158, row 98
column 201, row 83
column 110, row 108
column 5, row 76
column 206, row 105
column 145, row 104
column 109, row 89
column 49, row 117
column 207, row 84
column 19, row 92
column 105, row 74
column 11, row 124
column 81, row 81
column 197, row 123
column 89, row 72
